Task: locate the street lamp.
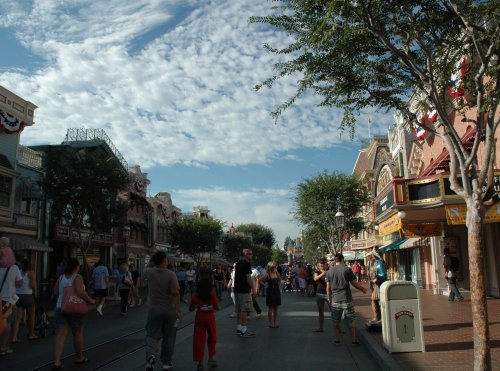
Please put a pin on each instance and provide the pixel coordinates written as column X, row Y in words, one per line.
column 126, row 236
column 339, row 225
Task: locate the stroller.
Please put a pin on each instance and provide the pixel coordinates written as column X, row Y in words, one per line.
column 43, row 323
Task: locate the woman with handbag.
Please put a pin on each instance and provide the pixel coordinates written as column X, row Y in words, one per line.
column 125, row 283
column 71, row 305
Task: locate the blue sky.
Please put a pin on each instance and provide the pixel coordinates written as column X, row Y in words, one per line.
column 171, row 82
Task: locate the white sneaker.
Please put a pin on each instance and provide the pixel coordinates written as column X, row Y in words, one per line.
column 247, row 334
column 99, row 311
column 150, row 364
column 258, row 316
column 233, row 315
column 170, row 366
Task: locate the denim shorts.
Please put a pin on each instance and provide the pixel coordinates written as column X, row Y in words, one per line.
column 71, row 321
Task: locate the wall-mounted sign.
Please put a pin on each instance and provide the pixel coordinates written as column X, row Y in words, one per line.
column 385, row 203
column 390, row 225
column 420, row 230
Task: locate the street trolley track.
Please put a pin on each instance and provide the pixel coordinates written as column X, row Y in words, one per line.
column 112, row 345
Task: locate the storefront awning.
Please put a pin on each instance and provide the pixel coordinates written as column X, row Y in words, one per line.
column 20, row 243
column 410, row 243
column 353, row 255
column 393, row 246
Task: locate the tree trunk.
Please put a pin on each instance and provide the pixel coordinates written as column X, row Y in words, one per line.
column 481, row 332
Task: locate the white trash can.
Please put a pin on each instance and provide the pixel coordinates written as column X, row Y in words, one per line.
column 402, row 329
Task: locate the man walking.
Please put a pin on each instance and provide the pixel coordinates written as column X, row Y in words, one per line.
column 164, row 310
column 451, row 264
column 338, row 281
column 244, row 290
column 100, row 278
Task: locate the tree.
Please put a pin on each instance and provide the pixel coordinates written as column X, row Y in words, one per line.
column 261, row 235
column 234, row 245
column 314, row 245
column 196, row 237
column 317, row 200
column 364, row 54
column 279, row 256
column 262, row 239
column 83, row 186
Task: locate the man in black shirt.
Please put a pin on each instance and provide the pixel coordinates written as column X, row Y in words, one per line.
column 243, row 291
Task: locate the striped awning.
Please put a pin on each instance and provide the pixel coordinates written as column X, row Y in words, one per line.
column 20, row 243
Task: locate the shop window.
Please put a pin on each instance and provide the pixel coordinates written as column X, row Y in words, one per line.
column 27, row 206
column 5, row 190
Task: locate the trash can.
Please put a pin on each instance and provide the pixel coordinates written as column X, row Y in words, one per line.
column 402, row 329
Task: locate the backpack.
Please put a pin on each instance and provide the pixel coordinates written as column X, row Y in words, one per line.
column 455, row 264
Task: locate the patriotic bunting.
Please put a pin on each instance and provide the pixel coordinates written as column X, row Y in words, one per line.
column 10, row 124
column 457, row 78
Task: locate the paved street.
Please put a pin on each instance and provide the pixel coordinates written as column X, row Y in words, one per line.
column 291, row 347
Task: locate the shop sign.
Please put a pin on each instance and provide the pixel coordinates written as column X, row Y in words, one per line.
column 457, row 214
column 391, row 225
column 423, row 229
column 449, row 193
column 385, row 203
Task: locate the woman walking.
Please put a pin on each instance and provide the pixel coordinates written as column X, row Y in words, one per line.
column 26, row 303
column 204, row 301
column 321, row 297
column 273, row 294
column 64, row 322
column 125, row 283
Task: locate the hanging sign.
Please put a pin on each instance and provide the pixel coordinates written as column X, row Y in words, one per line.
column 9, row 123
column 389, row 225
column 421, row 230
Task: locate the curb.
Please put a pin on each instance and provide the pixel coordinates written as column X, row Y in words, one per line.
column 381, row 356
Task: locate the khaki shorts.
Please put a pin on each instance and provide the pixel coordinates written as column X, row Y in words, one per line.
column 243, row 302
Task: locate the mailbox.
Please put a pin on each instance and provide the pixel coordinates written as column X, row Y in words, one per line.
column 402, row 329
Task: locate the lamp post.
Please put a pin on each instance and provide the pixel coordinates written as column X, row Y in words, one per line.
column 339, row 225
column 126, row 236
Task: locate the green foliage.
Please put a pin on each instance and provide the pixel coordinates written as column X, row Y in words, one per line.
column 195, row 236
column 279, row 256
column 261, row 235
column 234, row 245
column 83, row 185
column 317, row 200
column 364, row 54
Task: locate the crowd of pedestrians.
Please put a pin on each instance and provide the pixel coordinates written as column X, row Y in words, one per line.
column 329, row 281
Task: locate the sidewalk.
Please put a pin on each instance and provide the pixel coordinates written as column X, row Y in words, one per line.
column 447, row 334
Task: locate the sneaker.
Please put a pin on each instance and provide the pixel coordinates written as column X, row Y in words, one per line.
column 6, row 352
column 131, row 305
column 170, row 366
column 99, row 312
column 247, row 334
column 258, row 316
column 460, row 299
column 233, row 315
column 238, row 332
column 123, row 313
column 150, row 363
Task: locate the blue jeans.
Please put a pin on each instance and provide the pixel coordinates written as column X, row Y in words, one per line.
column 452, row 283
column 160, row 327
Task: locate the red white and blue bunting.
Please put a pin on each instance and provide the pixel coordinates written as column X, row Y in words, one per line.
column 419, row 132
column 457, row 79
column 10, row 124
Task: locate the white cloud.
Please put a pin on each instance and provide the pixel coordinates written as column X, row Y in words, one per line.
column 179, row 76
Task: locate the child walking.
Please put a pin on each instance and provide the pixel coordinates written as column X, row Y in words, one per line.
column 205, row 301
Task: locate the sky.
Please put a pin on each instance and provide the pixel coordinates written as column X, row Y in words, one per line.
column 172, row 84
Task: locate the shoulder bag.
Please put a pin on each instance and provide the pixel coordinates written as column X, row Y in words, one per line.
column 72, row 304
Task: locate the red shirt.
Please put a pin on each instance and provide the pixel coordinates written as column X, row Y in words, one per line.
column 204, row 305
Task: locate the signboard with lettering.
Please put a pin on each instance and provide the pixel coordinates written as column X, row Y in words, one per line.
column 456, row 214
column 422, row 229
column 390, row 225
column 385, row 203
